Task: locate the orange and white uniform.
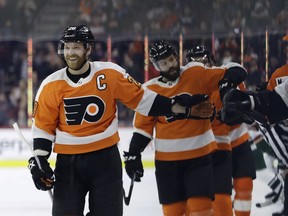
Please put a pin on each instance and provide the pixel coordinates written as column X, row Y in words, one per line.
column 238, row 133
column 278, row 77
column 222, row 164
column 183, row 148
column 220, row 130
column 81, row 117
column 185, row 139
column 244, row 170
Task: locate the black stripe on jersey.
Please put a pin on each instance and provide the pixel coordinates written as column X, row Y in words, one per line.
column 282, row 132
column 161, row 106
column 277, row 145
column 43, row 144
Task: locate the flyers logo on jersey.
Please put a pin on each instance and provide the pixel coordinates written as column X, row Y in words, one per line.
column 89, row 109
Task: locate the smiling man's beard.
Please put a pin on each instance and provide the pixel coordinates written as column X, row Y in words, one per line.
column 169, row 76
column 78, row 64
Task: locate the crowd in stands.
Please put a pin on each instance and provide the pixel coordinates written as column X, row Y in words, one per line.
column 216, row 24
column 18, row 16
column 171, row 17
column 157, row 18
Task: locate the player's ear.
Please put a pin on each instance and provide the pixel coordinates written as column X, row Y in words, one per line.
column 88, row 51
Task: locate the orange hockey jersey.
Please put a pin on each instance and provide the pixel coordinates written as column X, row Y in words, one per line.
column 239, row 133
column 278, row 77
column 220, row 130
column 81, row 117
column 182, row 139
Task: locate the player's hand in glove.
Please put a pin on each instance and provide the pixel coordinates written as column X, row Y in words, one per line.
column 261, row 87
column 197, row 106
column 43, row 178
column 133, row 165
column 203, row 110
column 232, row 118
column 240, row 107
column 224, row 86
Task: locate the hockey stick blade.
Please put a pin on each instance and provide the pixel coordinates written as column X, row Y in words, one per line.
column 264, row 204
column 18, row 131
column 128, row 198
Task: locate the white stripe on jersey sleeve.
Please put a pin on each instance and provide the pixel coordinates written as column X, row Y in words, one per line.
column 146, row 102
column 38, row 133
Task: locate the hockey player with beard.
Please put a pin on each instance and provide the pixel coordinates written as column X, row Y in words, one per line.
column 234, row 158
column 75, row 110
column 183, row 157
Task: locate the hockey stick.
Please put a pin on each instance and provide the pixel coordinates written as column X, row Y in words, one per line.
column 18, row 131
column 127, row 199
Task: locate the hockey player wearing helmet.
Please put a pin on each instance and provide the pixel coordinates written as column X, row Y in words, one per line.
column 75, row 109
column 183, row 149
column 222, row 158
column 234, row 158
column 200, row 54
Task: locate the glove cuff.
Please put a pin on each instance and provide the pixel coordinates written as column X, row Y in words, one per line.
column 138, row 143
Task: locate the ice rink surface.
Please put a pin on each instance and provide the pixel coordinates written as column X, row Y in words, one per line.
column 19, row 197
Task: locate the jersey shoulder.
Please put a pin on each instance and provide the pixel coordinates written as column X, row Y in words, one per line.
column 153, row 81
column 101, row 65
column 279, row 76
column 56, row 76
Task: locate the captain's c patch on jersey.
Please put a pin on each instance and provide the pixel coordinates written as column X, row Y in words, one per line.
column 87, row 108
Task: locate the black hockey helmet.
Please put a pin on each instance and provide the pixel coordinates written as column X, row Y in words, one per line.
column 199, row 54
column 161, row 50
column 79, row 33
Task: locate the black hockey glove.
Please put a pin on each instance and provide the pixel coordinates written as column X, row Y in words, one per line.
column 225, row 86
column 133, row 165
column 261, row 87
column 240, row 107
column 43, row 178
column 232, row 118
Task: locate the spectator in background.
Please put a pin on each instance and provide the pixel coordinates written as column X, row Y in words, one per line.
column 46, row 60
column 254, row 75
column 4, row 109
column 260, row 14
column 25, row 12
column 6, row 19
column 86, row 7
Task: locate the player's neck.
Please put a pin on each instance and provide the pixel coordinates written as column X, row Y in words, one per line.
column 76, row 77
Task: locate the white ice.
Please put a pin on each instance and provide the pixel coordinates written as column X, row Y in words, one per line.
column 19, row 197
